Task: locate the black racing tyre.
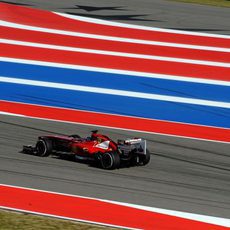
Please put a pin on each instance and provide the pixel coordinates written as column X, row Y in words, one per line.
column 110, row 160
column 140, row 160
column 44, row 147
column 144, row 159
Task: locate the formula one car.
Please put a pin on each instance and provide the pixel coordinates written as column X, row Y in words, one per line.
column 98, row 148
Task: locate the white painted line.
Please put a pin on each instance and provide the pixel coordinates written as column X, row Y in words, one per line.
column 198, row 217
column 112, row 38
column 116, row 71
column 115, row 92
column 124, row 25
column 111, row 53
column 113, row 114
column 190, row 216
column 11, row 114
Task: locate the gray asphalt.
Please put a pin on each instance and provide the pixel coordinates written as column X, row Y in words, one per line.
column 184, row 175
column 159, row 13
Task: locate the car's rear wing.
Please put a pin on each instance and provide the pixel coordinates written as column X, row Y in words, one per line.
column 130, row 144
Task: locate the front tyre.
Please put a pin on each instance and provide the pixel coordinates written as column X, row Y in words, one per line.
column 44, row 147
column 110, row 160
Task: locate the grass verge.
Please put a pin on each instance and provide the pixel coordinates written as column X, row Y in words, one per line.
column 220, row 3
column 10, row 220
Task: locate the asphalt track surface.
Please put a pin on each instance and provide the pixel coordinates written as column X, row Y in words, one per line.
column 183, row 175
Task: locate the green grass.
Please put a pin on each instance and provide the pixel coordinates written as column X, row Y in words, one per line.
column 21, row 221
column 220, row 3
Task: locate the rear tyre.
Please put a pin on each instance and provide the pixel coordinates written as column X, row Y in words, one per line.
column 44, row 147
column 110, row 160
column 144, row 159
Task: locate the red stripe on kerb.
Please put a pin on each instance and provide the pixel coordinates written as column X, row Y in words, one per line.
column 98, row 44
column 115, row 62
column 46, row 19
column 94, row 210
column 131, row 123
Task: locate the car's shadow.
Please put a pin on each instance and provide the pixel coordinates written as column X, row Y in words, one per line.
column 90, row 163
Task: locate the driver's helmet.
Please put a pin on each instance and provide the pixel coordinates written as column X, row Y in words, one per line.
column 99, row 140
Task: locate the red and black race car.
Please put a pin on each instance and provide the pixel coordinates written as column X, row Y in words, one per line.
column 97, row 147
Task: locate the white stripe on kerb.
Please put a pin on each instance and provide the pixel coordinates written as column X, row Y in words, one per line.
column 116, row 92
column 129, row 26
column 112, row 38
column 112, row 53
column 117, row 71
column 118, row 128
